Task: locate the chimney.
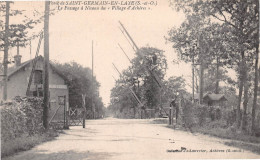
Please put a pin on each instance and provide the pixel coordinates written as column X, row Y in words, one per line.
column 17, row 60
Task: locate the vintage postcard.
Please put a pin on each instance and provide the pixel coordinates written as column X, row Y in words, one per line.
column 129, row 79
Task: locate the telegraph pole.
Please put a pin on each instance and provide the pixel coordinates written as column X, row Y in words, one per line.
column 5, row 61
column 46, row 66
column 92, row 84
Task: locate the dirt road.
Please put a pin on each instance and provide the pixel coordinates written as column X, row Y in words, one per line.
column 117, row 139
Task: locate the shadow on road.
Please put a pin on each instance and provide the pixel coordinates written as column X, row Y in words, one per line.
column 68, row 155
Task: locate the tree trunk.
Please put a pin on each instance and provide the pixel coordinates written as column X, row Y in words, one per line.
column 201, row 83
column 244, row 117
column 217, row 79
column 5, row 61
column 241, row 87
column 46, row 66
column 256, row 74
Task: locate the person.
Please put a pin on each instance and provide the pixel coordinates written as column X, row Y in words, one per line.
column 175, row 106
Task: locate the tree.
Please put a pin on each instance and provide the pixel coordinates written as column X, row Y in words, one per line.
column 240, row 25
column 198, row 41
column 18, row 32
column 256, row 71
column 13, row 35
column 174, row 86
column 78, row 79
column 140, row 80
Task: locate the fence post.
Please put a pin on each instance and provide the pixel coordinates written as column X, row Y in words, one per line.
column 84, row 109
column 170, row 116
column 67, row 115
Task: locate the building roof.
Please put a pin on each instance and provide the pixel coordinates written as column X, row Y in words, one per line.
column 12, row 70
column 212, row 96
column 216, row 97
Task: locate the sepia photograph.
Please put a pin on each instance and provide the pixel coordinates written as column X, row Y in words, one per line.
column 129, row 79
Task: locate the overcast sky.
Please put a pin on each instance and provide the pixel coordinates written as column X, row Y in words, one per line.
column 71, row 34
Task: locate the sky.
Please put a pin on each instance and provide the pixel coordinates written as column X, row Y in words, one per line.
column 72, row 33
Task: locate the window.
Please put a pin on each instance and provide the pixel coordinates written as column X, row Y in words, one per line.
column 38, row 77
column 38, row 94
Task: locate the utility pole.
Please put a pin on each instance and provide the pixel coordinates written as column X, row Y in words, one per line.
column 5, row 61
column 46, row 66
column 92, row 84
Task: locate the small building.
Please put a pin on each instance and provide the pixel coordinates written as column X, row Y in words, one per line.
column 212, row 99
column 18, row 79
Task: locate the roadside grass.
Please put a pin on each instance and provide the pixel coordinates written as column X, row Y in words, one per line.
column 160, row 121
column 246, row 146
column 238, row 139
column 234, row 138
column 24, row 142
column 228, row 134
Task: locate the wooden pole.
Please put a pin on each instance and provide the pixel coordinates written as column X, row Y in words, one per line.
column 193, row 78
column 64, row 105
column 170, row 115
column 6, row 41
column 125, row 53
column 84, row 109
column 46, row 66
column 92, row 84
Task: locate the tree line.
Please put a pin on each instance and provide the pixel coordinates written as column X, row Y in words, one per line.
column 216, row 36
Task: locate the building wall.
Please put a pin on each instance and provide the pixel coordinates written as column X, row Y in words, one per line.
column 18, row 82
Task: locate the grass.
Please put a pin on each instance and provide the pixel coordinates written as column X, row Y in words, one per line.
column 24, row 143
column 160, row 121
column 228, row 134
column 237, row 139
column 246, row 146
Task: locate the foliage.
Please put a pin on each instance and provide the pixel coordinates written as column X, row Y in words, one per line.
column 18, row 32
column 23, row 116
column 141, row 81
column 228, row 32
column 78, row 79
column 24, row 142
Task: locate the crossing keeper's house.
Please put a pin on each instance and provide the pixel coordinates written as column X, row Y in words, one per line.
column 18, row 79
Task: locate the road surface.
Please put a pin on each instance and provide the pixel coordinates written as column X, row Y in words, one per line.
column 119, row 139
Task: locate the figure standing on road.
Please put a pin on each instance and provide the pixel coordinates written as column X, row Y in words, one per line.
column 175, row 107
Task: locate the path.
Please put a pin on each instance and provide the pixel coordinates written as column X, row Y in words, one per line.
column 117, row 139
